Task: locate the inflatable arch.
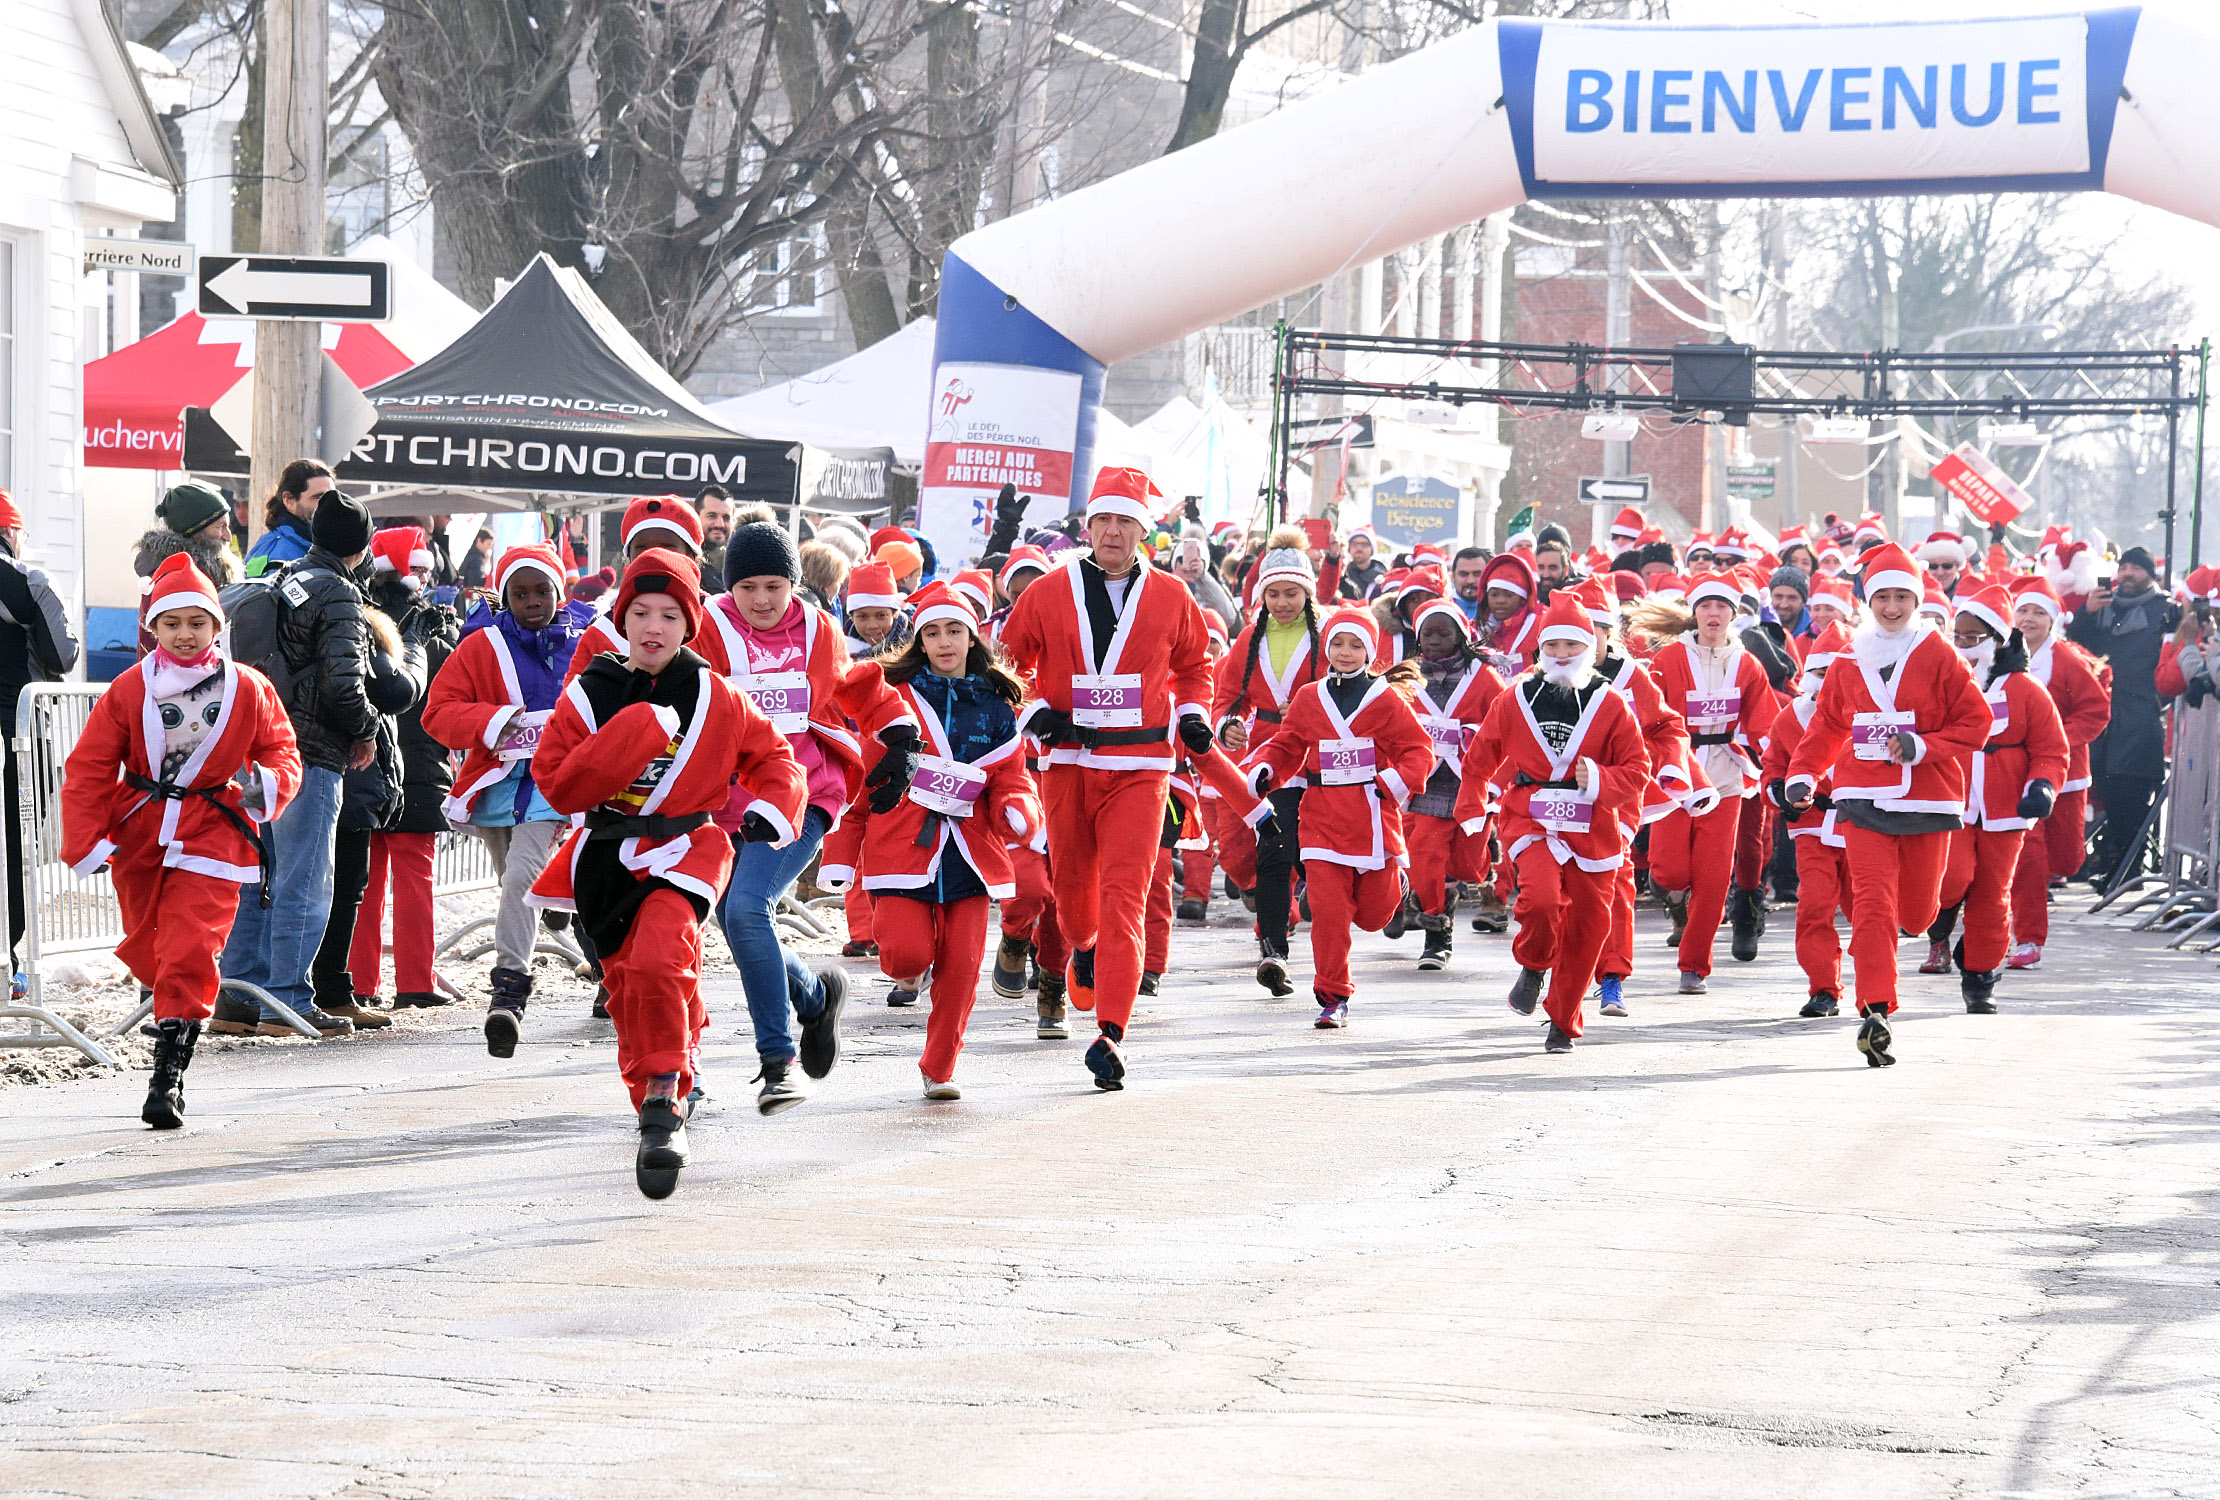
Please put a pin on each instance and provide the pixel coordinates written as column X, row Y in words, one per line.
column 1034, row 308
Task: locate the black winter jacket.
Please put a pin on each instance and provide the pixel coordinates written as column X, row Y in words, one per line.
column 427, row 767
column 370, row 796
column 324, row 639
column 2130, row 632
column 35, row 640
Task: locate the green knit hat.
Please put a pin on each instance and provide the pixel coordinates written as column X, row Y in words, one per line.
column 190, row 506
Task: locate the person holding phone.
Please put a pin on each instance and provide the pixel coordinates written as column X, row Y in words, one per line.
column 2127, row 623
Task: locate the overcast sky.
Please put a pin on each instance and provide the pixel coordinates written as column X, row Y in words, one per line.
column 2189, row 252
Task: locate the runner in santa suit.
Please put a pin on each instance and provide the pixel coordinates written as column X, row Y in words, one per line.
column 1673, row 774
column 1722, row 693
column 1198, row 843
column 649, row 521
column 1895, row 718
column 1277, row 653
column 1568, row 757
column 1118, row 658
column 1510, row 613
column 2013, row 782
column 1822, row 854
column 2057, row 845
column 1354, row 738
column 1456, row 690
column 1030, row 936
column 183, row 755
column 644, row 748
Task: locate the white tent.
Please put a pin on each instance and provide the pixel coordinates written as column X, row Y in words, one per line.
column 1209, row 450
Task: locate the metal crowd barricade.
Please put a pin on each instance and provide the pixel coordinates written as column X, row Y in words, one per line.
column 2192, row 828
column 63, row 912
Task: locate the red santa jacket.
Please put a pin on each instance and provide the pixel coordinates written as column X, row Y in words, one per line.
column 1780, row 749
column 848, row 700
column 1930, row 693
column 1732, row 717
column 1349, row 761
column 2027, row 742
column 886, row 849
column 2084, row 701
column 1448, row 725
column 1676, row 781
column 600, row 636
column 583, row 765
column 1591, row 828
column 469, row 707
column 1261, row 700
column 103, row 814
column 1156, row 671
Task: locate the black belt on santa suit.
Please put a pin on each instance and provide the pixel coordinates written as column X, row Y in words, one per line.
column 603, row 826
column 1566, row 785
column 1706, row 741
column 1097, row 739
column 1270, row 716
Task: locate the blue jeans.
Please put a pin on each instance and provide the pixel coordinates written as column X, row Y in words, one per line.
column 773, row 977
column 273, row 949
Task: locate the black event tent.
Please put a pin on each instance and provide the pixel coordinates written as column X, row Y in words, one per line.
column 548, row 393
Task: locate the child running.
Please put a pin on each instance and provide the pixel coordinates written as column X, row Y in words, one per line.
column 933, row 855
column 181, row 756
column 1353, row 737
column 645, row 748
column 1822, row 860
column 1456, row 691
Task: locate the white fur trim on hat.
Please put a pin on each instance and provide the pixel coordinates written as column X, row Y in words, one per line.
column 1987, row 616
column 185, row 599
column 1364, row 631
column 944, row 611
column 1119, row 505
column 529, row 565
column 1715, row 588
column 1894, row 578
column 1563, row 632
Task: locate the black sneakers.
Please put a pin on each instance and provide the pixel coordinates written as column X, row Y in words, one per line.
column 778, row 1091
column 1874, row 1038
column 1526, row 992
column 1105, row 1061
column 1151, row 982
column 663, row 1148
column 1818, row 1006
column 1557, row 1040
column 1271, row 972
column 165, row 1091
column 1193, row 913
column 820, row 1041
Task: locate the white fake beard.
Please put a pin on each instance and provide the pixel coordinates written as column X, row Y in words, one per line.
column 1571, row 674
column 1979, row 657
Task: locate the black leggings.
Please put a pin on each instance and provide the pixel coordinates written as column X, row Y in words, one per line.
column 350, row 878
column 1276, row 858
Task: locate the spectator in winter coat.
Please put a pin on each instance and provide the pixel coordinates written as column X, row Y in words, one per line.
column 290, row 516
column 35, row 646
column 194, row 518
column 2128, row 625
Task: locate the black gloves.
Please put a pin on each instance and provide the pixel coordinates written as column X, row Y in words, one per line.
column 2037, row 801
column 1777, row 791
column 1263, row 780
column 1191, row 507
column 1049, row 725
column 1009, row 519
column 890, row 778
column 757, row 829
column 1195, row 734
column 1795, row 806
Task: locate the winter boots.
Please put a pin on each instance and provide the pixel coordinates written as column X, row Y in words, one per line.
column 1748, row 908
column 663, row 1149
column 1676, row 906
column 1009, row 967
column 165, row 1091
column 512, row 988
column 1052, row 1026
column 1977, row 987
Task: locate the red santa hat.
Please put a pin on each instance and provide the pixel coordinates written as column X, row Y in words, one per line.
column 1601, row 604
column 11, row 514
column 1627, row 525
column 1833, row 592
column 1943, row 547
column 1023, row 556
column 1447, row 611
column 399, row 549
column 1792, row 536
column 1700, row 542
column 1566, row 619
column 1992, row 606
column 661, row 570
column 977, row 585
column 1628, row 585
column 665, row 512
column 178, row 583
column 1732, row 543
column 1349, row 620
column 2199, row 583
column 1649, row 535
column 1123, row 492
column 539, row 557
column 1668, row 586
column 1597, row 560
column 2054, row 537
column 871, row 586
column 1827, row 645
column 2038, row 591
column 1935, row 604
column 1422, row 581
column 1715, row 586
column 1889, row 567
column 1430, row 550
column 1285, row 565
column 1217, row 631
column 1870, row 528
column 941, row 601
column 1368, row 534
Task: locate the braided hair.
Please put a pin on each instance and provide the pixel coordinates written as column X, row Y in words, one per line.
column 1256, row 644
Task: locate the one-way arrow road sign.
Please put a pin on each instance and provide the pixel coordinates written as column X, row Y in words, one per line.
column 295, row 288
column 1633, row 490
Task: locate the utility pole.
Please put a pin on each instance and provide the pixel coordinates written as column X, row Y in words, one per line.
column 1776, row 250
column 1618, row 326
column 288, row 364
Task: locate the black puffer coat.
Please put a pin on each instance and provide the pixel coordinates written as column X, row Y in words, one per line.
column 427, row 767
column 324, row 639
column 2130, row 632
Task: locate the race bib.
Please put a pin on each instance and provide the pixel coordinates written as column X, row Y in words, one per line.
column 1713, row 709
column 1870, row 733
column 1109, row 700
column 1345, row 762
column 781, row 697
column 2000, row 715
column 951, row 788
column 1563, row 811
column 1448, row 736
column 522, row 735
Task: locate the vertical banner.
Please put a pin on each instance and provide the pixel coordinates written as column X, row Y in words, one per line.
column 993, row 425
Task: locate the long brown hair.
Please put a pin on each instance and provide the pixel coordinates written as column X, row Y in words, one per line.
column 984, row 659
column 1660, row 619
column 292, row 480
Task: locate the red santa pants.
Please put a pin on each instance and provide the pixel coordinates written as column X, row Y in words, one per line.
column 1196, row 866
column 1822, row 889
column 1235, row 840
column 2031, row 887
column 2066, row 831
column 1156, row 944
column 1102, row 832
column 1696, row 855
column 1895, row 885
column 1618, row 946
column 1341, row 899
column 1031, row 913
column 654, row 984
column 407, row 859
column 856, row 901
column 1979, row 873
column 951, row 940
column 175, row 925
column 1753, row 841
column 1564, row 918
column 1440, row 852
